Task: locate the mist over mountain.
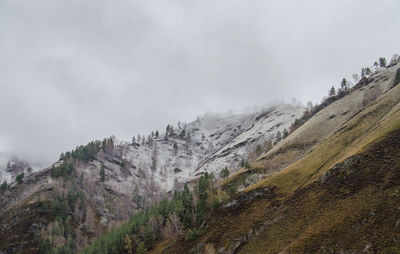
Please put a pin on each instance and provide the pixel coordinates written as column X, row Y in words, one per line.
column 72, row 72
column 199, row 127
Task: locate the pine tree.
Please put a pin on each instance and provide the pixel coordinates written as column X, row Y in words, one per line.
column 148, row 237
column 3, row 186
column 232, row 189
column 203, row 195
column 102, row 173
column 19, row 178
column 285, row 133
column 363, row 72
column 382, row 62
column 186, row 212
column 171, row 130
column 183, row 133
column 247, row 164
column 224, row 173
column 166, row 134
column 157, row 134
column 332, row 91
column 243, row 163
column 344, row 84
column 278, row 136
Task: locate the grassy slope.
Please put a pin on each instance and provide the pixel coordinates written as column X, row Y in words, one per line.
column 333, row 116
column 380, row 118
column 356, row 209
column 330, row 220
column 317, row 129
column 20, row 222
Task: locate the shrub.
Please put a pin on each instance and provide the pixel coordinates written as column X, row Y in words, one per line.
column 232, row 189
column 192, row 234
column 19, row 178
column 224, row 173
column 3, row 186
column 285, row 133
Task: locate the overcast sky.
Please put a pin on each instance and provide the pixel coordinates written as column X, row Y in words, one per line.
column 72, row 71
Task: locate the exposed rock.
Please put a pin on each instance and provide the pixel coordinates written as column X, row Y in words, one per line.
column 340, row 169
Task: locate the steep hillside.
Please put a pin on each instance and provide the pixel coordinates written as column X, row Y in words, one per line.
column 329, row 187
column 322, row 125
column 99, row 186
column 264, row 126
column 340, row 196
column 352, row 208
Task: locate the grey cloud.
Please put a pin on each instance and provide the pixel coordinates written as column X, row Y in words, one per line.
column 73, row 71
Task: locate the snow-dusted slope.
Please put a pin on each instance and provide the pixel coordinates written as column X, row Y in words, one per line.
column 208, row 144
column 142, row 172
column 214, row 142
column 264, row 126
column 15, row 167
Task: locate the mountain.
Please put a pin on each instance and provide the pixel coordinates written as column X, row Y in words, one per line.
column 332, row 186
column 136, row 174
column 226, row 184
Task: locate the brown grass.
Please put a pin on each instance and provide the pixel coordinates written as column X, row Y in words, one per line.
column 356, row 210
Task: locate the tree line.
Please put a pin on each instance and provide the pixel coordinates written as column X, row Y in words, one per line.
column 179, row 217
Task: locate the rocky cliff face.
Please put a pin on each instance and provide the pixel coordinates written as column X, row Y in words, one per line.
column 157, row 165
column 206, row 145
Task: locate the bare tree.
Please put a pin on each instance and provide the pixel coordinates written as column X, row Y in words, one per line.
column 310, row 106
column 395, row 59
column 154, row 158
column 177, row 184
column 173, row 227
column 356, row 78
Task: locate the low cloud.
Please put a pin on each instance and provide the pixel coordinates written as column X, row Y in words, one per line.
column 73, row 71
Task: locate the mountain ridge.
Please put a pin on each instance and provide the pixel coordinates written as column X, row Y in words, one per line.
column 147, row 168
